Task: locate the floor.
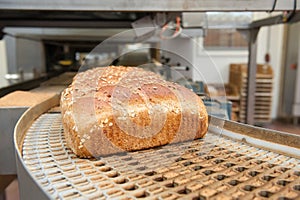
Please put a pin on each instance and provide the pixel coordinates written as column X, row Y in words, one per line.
column 12, row 191
column 285, row 127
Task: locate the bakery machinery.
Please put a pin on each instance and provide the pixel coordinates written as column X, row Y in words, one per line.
column 234, row 160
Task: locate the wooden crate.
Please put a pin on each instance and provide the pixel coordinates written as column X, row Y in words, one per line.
column 257, row 118
column 257, row 103
column 262, row 99
column 263, row 94
column 257, row 112
column 262, row 70
column 260, row 87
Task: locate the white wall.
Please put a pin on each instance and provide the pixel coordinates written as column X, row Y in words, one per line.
column 275, row 58
column 296, row 105
column 290, row 75
column 214, row 65
column 276, row 44
column 3, row 63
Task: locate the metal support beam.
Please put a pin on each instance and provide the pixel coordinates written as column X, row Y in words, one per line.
column 252, row 48
column 149, row 6
column 65, row 23
column 279, row 19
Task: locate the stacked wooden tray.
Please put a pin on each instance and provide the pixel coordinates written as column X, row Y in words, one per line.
column 263, row 94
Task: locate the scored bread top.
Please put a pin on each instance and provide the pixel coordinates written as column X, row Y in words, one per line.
column 114, row 109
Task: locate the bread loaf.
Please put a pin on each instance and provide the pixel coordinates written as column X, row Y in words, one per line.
column 114, row 109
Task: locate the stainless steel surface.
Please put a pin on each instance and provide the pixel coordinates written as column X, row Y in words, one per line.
column 66, row 23
column 22, row 62
column 25, row 179
column 223, row 166
column 63, row 33
column 8, row 119
column 154, row 5
column 274, row 20
column 252, row 48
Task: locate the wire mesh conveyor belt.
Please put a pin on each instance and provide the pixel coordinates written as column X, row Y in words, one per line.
column 228, row 170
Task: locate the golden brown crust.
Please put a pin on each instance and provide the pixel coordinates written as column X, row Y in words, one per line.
column 113, row 109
